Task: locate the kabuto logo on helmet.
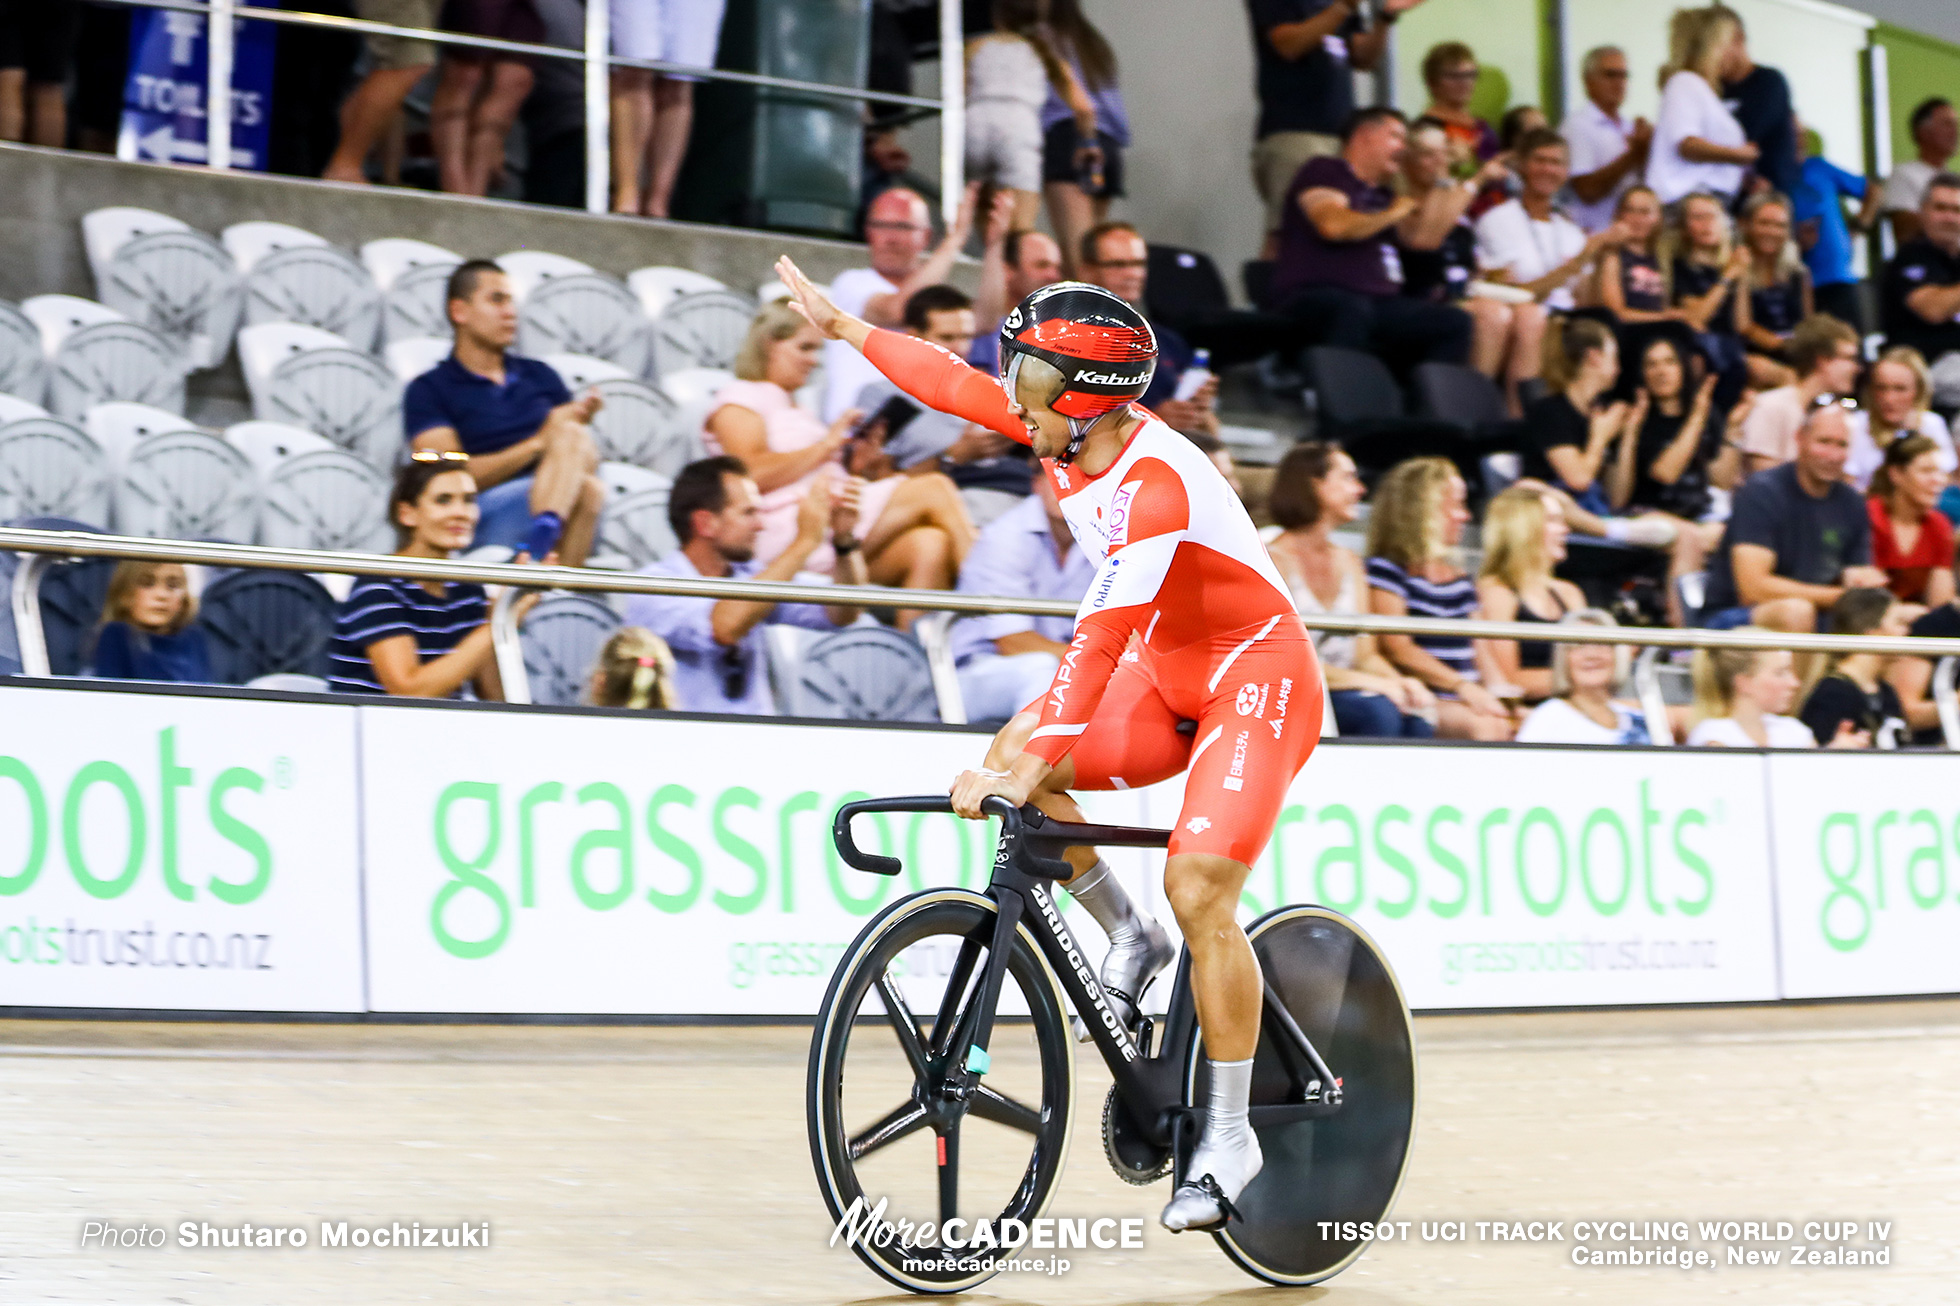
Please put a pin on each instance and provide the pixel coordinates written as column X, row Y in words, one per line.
column 1104, row 349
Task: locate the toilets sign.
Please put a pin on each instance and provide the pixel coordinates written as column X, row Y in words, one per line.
column 164, row 99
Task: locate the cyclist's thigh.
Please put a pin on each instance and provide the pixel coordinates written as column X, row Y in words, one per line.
column 1132, row 740
column 1255, row 733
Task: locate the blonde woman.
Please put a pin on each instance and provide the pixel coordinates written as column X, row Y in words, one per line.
column 635, row 670
column 148, row 630
column 914, row 530
column 1776, row 292
column 1582, row 708
column 1897, row 404
column 1742, row 695
column 1418, row 520
column 1524, row 538
column 1698, row 144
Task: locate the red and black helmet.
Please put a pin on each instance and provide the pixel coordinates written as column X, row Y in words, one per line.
column 1104, row 349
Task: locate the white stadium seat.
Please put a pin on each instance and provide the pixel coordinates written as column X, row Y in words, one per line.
column 120, row 427
column 529, row 269
column 156, row 270
column 393, row 257
column 411, row 356
column 49, row 468
column 326, row 499
column 693, row 391
column 23, row 363
column 293, row 275
column 769, row 292
column 702, row 329
column 584, row 313
column 97, row 355
column 267, row 444
column 639, row 424
column 657, row 287
column 186, row 485
column 262, row 348
column 13, row 408
column 57, row 317
column 412, row 275
column 311, row 379
column 104, row 231
column 250, row 242
column 562, row 638
column 578, row 371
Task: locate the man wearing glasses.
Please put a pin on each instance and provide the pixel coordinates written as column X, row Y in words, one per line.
column 720, row 663
column 1609, row 154
column 1115, row 257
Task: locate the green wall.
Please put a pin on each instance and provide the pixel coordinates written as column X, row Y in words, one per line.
column 1919, row 66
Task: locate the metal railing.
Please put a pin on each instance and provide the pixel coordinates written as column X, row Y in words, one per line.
column 598, row 59
column 45, row 549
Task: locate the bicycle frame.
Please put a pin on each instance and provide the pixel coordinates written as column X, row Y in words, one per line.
column 1026, row 863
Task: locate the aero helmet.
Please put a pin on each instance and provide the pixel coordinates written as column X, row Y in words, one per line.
column 1104, row 349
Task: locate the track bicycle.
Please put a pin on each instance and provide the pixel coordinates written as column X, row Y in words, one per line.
column 966, row 1117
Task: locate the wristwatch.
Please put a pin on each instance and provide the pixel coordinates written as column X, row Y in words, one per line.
column 845, row 546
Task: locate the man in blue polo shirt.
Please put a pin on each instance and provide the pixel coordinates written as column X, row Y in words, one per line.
column 530, row 445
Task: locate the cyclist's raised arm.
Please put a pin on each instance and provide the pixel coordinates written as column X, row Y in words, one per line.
column 932, row 375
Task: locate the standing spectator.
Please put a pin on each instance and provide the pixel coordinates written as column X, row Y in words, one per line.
column 1582, row 708
column 1759, row 97
column 1898, row 398
column 310, row 68
column 1006, row 661
column 101, row 76
column 1680, row 459
column 1912, row 540
column 533, row 456
column 1115, row 257
column 1698, row 144
column 1817, row 208
column 1741, row 696
column 554, row 114
column 1010, row 73
column 37, row 52
column 1316, row 492
column 1524, row 537
column 913, row 529
column 1775, row 293
column 149, row 629
column 1339, row 269
column 1082, row 153
column 897, row 228
column 1852, row 705
column 636, row 671
column 1919, row 295
column 421, row 639
column 653, row 113
column 1450, row 72
column 1307, row 52
column 479, row 93
column 1702, row 266
column 1418, row 519
column 1936, row 135
column 1823, row 352
column 1797, row 539
column 396, row 64
column 721, row 662
column 1013, row 265
column 1608, row 153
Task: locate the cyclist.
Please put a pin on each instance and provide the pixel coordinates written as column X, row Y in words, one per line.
column 1186, row 620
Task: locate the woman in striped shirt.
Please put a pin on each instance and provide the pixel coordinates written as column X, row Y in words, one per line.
column 1418, row 518
column 419, row 639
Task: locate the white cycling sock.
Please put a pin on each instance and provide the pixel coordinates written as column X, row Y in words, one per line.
column 1231, row 1088
column 1102, row 895
column 1227, row 1150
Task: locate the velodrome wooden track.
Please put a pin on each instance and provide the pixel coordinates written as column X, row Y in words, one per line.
column 668, row 1165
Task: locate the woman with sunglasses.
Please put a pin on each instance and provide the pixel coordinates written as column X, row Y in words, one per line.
column 421, row 639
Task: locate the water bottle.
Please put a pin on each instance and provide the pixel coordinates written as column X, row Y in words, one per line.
column 1195, row 376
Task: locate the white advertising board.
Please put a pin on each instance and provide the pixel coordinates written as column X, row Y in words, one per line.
column 1866, row 902
column 177, row 852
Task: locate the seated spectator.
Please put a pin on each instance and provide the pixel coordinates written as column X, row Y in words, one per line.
column 653, row 113
column 1339, row 268
column 1851, row 705
column 1439, row 261
column 1912, row 540
column 1797, row 539
column 720, row 660
column 1583, row 708
column 1418, row 519
column 1912, row 678
column 1115, row 257
column 1221, row 457
column 914, row 530
column 897, row 229
column 1450, row 73
column 149, row 629
column 1631, row 286
column 1006, row 661
column 421, row 639
column 1817, row 208
column 1680, row 461
column 635, row 670
column 1898, row 403
column 1524, row 538
column 1013, row 265
column 1824, row 354
column 1919, row 293
column 1702, row 266
column 1316, row 492
column 532, row 456
column 1935, row 135
column 395, row 65
column 479, row 92
column 1699, row 146
column 1607, row 153
column 1776, row 292
column 1741, row 696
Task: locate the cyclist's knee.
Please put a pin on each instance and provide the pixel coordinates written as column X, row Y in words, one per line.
column 1203, row 890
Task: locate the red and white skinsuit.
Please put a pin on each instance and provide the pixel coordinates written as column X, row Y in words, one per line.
column 1181, row 565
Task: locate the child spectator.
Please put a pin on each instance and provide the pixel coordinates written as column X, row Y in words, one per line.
column 1898, row 403
column 1082, row 153
column 1524, row 538
column 1851, row 705
column 1776, row 291
column 148, row 630
column 1418, row 519
column 636, row 671
column 420, row 639
column 1741, row 696
column 1583, row 709
column 1912, row 540
column 1316, row 492
column 1817, row 208
column 1009, row 73
column 1701, row 267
